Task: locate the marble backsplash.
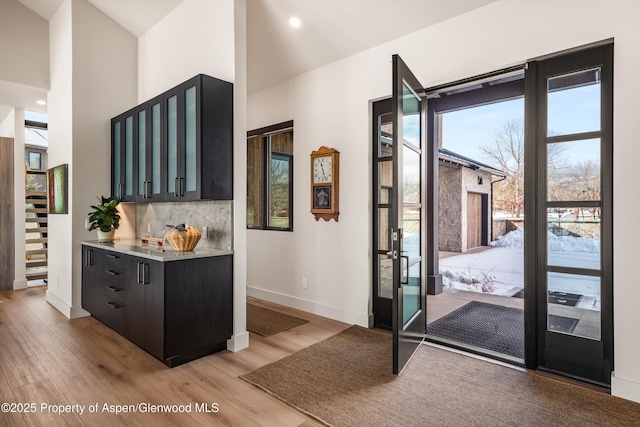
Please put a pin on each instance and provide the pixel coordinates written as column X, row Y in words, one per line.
column 217, row 215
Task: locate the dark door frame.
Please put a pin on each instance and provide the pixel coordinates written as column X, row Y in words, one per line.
column 566, row 355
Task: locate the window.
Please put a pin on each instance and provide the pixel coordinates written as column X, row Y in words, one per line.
column 270, row 178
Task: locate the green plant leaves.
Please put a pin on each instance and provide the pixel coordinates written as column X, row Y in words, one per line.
column 105, row 215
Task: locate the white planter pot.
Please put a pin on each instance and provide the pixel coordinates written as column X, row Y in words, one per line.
column 106, row 236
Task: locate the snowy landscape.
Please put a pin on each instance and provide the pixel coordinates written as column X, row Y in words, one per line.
column 499, row 270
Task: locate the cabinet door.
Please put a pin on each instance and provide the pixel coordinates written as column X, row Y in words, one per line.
column 148, row 151
column 183, row 118
column 123, row 139
column 148, row 332
column 89, row 286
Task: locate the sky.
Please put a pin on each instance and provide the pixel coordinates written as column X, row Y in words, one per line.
column 570, row 111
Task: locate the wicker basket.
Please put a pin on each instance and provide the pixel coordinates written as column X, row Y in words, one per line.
column 183, row 240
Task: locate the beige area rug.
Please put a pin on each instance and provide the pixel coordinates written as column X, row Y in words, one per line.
column 346, row 380
column 266, row 322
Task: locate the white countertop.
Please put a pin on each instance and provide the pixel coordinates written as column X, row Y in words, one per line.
column 152, row 251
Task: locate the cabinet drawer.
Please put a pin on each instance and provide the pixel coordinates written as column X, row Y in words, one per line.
column 125, row 295
column 111, row 312
column 114, row 275
column 113, row 259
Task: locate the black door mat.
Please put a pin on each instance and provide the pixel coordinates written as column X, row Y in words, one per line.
column 564, row 298
column 491, row 327
column 557, row 297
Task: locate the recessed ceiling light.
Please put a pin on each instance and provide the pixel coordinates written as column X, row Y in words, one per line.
column 41, row 102
column 295, row 22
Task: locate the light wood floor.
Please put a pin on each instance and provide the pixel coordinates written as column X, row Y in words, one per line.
column 47, row 359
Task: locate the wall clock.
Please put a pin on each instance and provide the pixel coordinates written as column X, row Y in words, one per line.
column 325, row 183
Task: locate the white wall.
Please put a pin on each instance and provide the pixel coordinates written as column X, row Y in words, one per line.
column 93, row 78
column 24, row 45
column 330, row 106
column 196, row 37
column 20, row 255
column 200, row 37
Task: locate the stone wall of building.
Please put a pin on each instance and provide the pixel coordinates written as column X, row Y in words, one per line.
column 450, row 208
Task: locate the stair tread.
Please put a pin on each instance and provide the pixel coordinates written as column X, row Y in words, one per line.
column 36, row 193
column 36, row 263
column 34, row 230
column 36, row 210
column 37, row 219
column 36, row 251
column 36, row 240
column 36, row 276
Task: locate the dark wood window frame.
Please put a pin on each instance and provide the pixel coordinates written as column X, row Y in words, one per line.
column 267, row 155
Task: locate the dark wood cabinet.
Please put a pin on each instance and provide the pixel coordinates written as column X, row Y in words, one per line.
column 177, row 311
column 177, row 146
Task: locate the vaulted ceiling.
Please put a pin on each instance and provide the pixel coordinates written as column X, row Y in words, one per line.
column 329, row 30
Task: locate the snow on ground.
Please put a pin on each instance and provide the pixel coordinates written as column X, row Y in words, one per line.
column 500, row 269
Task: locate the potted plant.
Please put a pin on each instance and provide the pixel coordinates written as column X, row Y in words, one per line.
column 106, row 218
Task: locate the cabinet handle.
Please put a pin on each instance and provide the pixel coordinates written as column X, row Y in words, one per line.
column 139, row 273
column 113, row 305
column 145, row 274
column 181, row 187
column 113, row 288
column 86, row 258
column 147, row 190
column 176, row 191
column 91, row 257
column 113, row 273
column 112, row 256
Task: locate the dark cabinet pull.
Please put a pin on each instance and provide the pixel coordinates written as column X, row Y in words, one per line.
column 112, row 256
column 113, row 288
column 182, row 187
column 145, row 273
column 176, row 190
column 139, row 273
column 113, row 305
column 113, row 273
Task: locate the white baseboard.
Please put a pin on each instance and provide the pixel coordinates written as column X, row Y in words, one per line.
column 335, row 313
column 20, row 284
column 77, row 312
column 70, row 312
column 625, row 388
column 59, row 305
column 238, row 342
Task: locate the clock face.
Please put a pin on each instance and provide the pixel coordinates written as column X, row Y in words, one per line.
column 322, row 170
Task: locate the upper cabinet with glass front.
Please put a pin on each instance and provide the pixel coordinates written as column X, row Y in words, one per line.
column 122, row 152
column 182, row 145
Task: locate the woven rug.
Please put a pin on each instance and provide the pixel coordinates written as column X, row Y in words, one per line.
column 491, row 327
column 346, row 380
column 266, row 322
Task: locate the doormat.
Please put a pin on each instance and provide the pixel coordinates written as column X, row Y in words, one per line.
column 492, row 327
column 266, row 322
column 563, row 298
column 346, row 381
column 557, row 297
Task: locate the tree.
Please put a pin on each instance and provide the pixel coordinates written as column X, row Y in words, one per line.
column 505, row 151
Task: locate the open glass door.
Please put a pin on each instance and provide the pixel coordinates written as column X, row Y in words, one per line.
column 407, row 212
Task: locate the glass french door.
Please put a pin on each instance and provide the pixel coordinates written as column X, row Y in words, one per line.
column 574, row 214
column 405, row 232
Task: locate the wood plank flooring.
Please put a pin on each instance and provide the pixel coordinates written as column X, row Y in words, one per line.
column 47, row 359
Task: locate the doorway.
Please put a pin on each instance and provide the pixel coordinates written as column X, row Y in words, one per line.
column 582, row 210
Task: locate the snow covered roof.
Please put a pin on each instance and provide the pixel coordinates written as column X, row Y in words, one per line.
column 458, row 159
